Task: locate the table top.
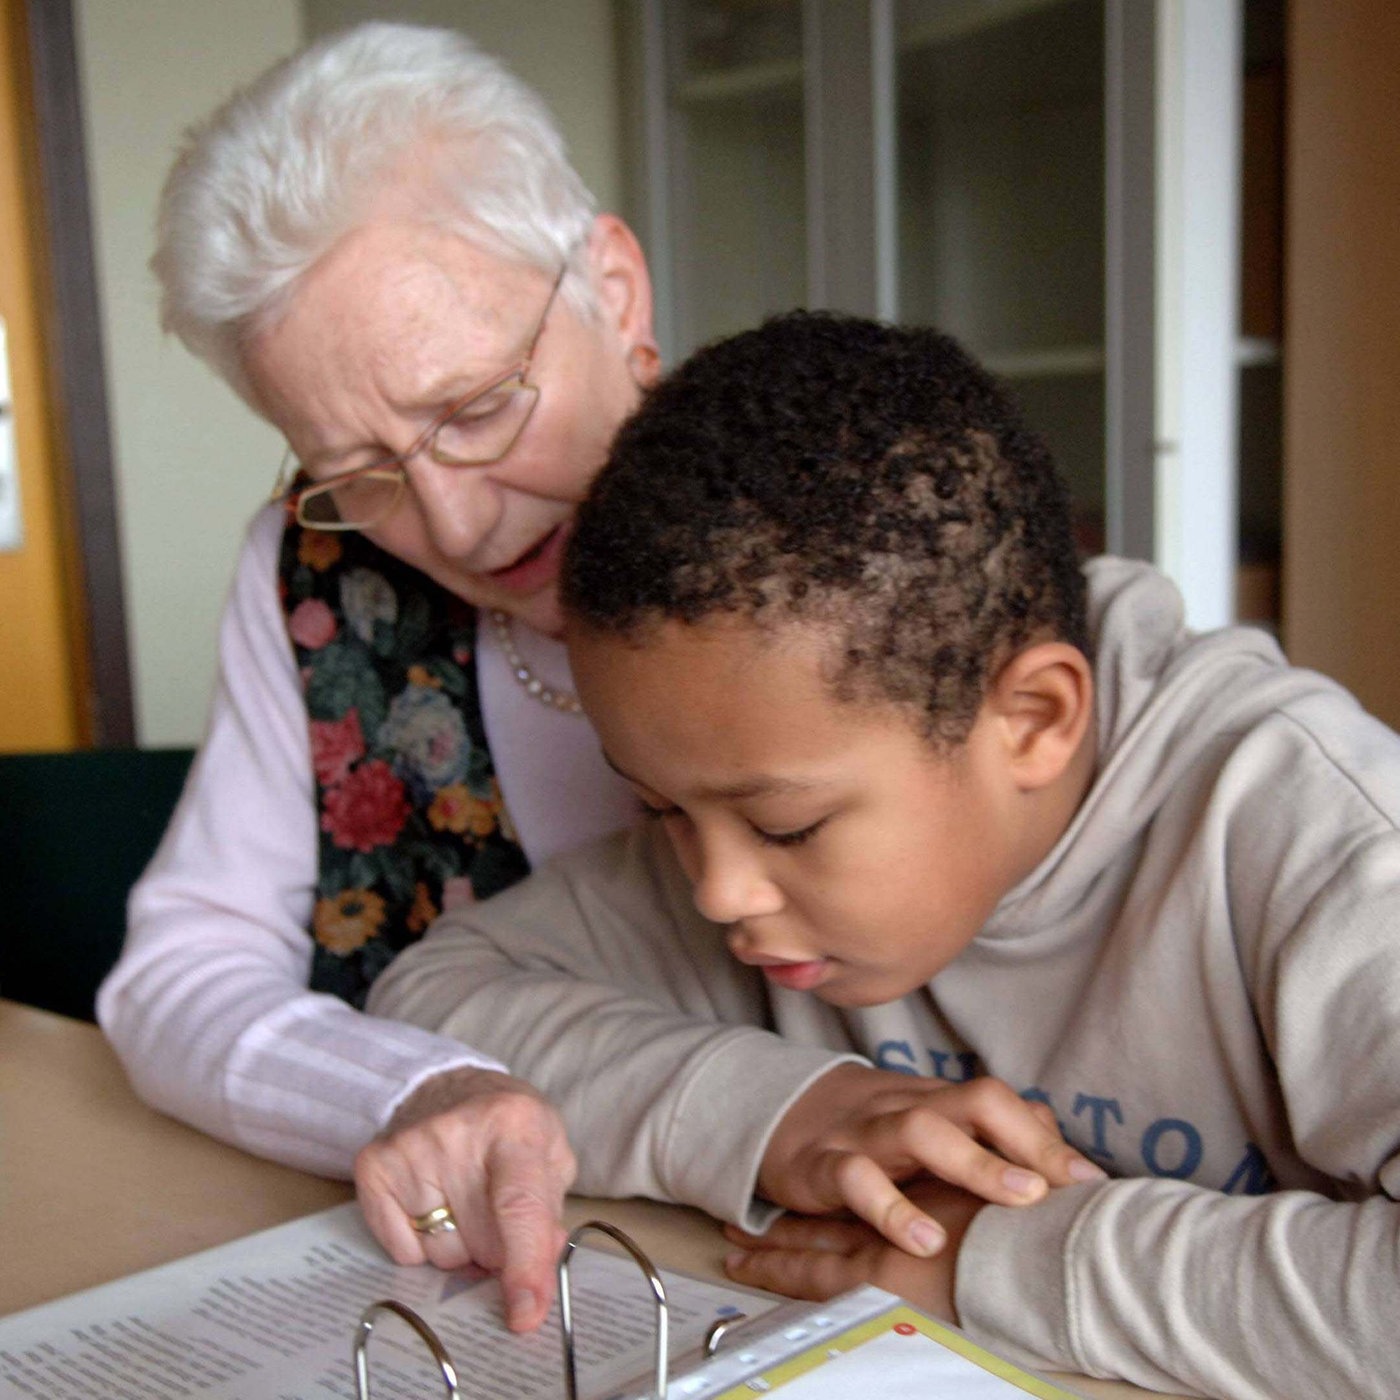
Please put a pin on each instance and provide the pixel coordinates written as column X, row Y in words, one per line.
column 95, row 1185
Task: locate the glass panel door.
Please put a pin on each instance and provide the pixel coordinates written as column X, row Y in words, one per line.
column 736, row 106
column 1000, row 121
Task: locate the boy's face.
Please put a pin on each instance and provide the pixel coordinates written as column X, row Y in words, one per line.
column 845, row 856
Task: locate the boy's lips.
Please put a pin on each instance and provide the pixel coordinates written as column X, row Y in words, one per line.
column 797, row 976
column 538, row 566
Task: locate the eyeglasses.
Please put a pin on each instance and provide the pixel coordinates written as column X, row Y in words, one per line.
column 474, row 432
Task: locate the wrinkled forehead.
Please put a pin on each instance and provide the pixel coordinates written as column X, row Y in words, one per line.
column 399, row 312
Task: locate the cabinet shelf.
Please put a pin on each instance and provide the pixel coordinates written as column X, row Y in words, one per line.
column 1063, row 360
column 783, row 77
column 958, row 20
column 1054, row 363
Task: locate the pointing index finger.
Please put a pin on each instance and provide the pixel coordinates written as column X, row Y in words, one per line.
column 527, row 1198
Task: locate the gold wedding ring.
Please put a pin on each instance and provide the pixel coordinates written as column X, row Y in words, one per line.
column 438, row 1221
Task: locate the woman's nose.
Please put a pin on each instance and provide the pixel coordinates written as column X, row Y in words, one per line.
column 458, row 505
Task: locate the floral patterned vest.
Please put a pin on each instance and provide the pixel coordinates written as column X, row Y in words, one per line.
column 411, row 817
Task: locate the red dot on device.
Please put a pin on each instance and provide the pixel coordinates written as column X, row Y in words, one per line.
column 905, row 1329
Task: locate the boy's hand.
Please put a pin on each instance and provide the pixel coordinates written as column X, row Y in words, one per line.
column 811, row 1258
column 857, row 1131
column 494, row 1152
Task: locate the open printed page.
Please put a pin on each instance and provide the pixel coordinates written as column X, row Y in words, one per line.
column 275, row 1316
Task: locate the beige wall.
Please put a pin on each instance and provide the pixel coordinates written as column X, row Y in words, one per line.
column 191, row 462
column 564, row 48
column 1342, row 347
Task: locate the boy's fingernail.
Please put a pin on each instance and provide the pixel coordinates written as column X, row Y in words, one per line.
column 1081, row 1169
column 735, row 1258
column 521, row 1306
column 928, row 1238
column 1022, row 1182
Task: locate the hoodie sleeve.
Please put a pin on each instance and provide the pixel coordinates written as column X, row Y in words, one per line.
column 1281, row 1296
column 597, row 982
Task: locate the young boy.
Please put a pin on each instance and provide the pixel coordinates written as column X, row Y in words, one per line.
column 953, row 803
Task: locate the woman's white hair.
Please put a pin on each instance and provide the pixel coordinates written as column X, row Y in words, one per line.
column 289, row 165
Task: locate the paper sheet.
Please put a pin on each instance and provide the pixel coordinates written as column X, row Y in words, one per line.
column 274, row 1316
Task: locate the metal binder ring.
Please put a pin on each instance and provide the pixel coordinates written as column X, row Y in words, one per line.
column 566, row 1313
column 718, row 1328
column 429, row 1337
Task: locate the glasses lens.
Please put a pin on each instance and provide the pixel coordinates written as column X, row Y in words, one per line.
column 350, row 505
column 483, row 429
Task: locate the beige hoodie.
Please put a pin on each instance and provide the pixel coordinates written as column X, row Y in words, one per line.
column 1202, row 979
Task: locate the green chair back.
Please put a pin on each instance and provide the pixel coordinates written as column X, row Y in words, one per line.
column 76, row 830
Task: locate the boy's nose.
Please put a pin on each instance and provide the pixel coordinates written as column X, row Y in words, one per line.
column 728, row 889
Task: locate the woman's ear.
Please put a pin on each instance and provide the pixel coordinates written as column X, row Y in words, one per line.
column 622, row 287
column 1043, row 703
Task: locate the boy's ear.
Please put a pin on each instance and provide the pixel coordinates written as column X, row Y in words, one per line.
column 622, row 285
column 1043, row 703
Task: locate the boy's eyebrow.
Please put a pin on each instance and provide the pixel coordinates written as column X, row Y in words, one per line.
column 764, row 785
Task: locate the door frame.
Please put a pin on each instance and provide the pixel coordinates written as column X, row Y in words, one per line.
column 77, row 367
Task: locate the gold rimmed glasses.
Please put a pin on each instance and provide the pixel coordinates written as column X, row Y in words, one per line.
column 473, row 432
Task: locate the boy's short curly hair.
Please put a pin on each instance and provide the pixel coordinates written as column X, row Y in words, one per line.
column 871, row 480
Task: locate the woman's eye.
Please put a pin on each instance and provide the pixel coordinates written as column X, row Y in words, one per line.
column 789, row 838
column 478, row 411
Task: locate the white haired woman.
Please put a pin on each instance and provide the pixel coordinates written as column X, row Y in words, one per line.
column 382, row 247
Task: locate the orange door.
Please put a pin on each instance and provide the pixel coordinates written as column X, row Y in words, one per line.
column 40, row 625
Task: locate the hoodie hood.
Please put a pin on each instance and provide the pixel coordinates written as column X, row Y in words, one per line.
column 1167, row 700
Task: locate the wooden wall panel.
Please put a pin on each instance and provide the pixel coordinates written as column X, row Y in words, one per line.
column 40, row 679
column 1341, row 595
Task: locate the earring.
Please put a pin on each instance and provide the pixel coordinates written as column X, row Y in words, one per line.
column 644, row 363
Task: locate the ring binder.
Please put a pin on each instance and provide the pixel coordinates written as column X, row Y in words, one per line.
column 566, row 1311
column 440, row 1354
column 718, row 1328
column 274, row 1314
column 867, row 1337
column 430, row 1339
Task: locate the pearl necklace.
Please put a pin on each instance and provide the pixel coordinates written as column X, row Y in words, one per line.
column 530, row 683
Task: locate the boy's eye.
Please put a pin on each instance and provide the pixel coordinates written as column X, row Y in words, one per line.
column 655, row 814
column 789, row 838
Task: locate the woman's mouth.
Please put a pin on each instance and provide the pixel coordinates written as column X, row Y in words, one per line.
column 538, row 566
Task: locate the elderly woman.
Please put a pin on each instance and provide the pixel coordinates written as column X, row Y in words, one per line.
column 382, row 247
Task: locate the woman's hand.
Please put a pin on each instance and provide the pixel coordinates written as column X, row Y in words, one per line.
column 857, row 1131
column 494, row 1152
column 816, row 1259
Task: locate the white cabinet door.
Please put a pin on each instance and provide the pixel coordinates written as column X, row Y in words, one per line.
column 1055, row 182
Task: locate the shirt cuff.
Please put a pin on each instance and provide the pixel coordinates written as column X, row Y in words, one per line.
column 734, row 1101
column 314, row 1085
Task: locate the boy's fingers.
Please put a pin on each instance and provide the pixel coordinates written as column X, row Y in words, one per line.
column 944, row 1150
column 865, row 1189
column 1025, row 1133
column 798, row 1273
column 804, row 1232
